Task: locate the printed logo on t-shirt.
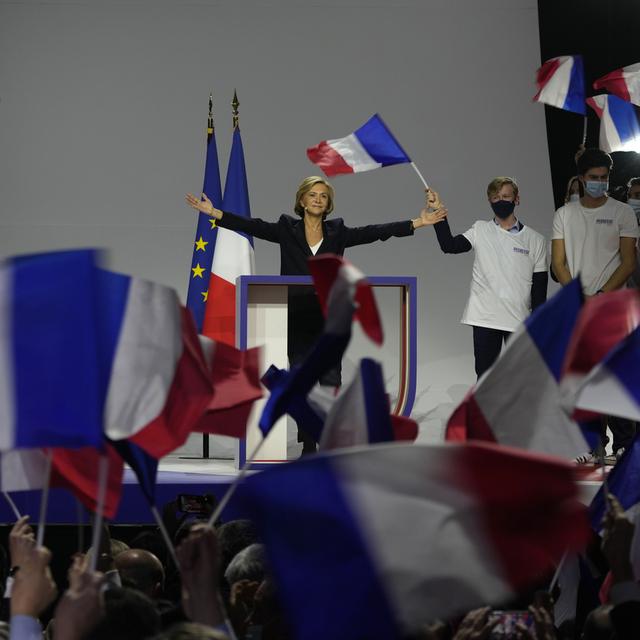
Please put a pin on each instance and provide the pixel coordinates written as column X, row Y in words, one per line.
column 604, row 221
column 524, row 252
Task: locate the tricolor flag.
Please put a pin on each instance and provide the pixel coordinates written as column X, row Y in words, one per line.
column 619, row 126
column 561, row 84
column 371, row 542
column 371, row 146
column 233, row 255
column 206, row 233
column 518, row 401
column 360, row 415
column 624, row 83
column 604, row 322
column 613, row 387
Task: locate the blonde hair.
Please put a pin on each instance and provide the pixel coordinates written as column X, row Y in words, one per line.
column 497, row 183
column 305, row 186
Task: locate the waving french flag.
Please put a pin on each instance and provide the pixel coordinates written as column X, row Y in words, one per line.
column 613, row 388
column 624, row 83
column 392, row 536
column 561, row 84
column 369, row 147
column 619, row 123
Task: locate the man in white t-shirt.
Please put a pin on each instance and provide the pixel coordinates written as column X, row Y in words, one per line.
column 509, row 277
column 595, row 238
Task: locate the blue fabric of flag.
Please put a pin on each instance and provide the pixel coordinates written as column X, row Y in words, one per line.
column 575, row 100
column 623, row 482
column 144, row 466
column 380, row 143
column 203, row 257
column 324, row 573
column 624, row 361
column 309, row 417
column 379, row 425
column 236, row 189
column 625, row 118
column 57, row 375
column 551, row 325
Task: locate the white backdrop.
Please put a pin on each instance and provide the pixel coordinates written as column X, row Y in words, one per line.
column 103, row 115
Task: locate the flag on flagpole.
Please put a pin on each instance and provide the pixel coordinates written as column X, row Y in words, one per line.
column 369, row 147
column 206, row 232
column 619, row 123
column 233, row 255
column 389, row 537
column 518, row 401
column 144, row 466
column 613, row 387
column 623, row 82
column 561, row 84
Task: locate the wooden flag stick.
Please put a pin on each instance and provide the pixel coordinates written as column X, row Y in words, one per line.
column 44, row 500
column 103, row 474
column 234, row 485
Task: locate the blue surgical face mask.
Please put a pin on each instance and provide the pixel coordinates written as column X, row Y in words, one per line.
column 503, row 208
column 595, row 188
column 634, row 203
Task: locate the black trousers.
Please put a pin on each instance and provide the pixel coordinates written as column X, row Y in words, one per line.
column 487, row 344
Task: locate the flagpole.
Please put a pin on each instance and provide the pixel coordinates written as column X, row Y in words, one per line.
column 165, row 535
column 44, row 499
column 234, row 485
column 103, row 473
column 424, row 182
column 12, row 504
column 584, row 130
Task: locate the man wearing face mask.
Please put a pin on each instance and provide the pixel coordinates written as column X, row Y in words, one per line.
column 596, row 236
column 509, row 277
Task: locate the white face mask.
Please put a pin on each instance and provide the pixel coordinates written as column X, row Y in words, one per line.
column 574, row 197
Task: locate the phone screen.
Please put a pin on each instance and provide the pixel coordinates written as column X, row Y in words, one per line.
column 193, row 504
column 508, row 623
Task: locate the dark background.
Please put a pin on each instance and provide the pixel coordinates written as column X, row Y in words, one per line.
column 606, row 35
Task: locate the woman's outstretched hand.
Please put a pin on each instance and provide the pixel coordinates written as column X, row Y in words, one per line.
column 428, row 217
column 204, row 205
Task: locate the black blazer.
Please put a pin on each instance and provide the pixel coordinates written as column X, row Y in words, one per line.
column 288, row 232
column 306, row 320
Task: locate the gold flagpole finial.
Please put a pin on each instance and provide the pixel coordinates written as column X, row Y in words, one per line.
column 235, row 103
column 210, row 119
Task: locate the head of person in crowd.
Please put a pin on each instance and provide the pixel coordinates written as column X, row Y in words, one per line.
column 633, row 196
column 594, row 168
column 190, row 631
column 128, row 615
column 503, row 195
column 105, row 561
column 141, row 570
column 233, row 537
column 598, row 625
column 574, row 190
column 314, row 197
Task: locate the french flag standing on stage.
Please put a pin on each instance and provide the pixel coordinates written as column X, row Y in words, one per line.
column 561, row 84
column 372, row 146
column 624, row 83
column 619, row 126
column 206, row 231
column 233, row 255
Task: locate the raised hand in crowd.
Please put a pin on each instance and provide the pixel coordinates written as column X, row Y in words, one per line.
column 199, row 559
column 543, row 625
column 476, row 625
column 22, row 541
column 81, row 606
column 203, row 205
column 434, row 210
column 617, row 537
column 33, row 587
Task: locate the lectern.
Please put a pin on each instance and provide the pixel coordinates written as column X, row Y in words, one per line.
column 261, row 319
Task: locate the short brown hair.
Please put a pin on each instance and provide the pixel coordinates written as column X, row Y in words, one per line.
column 497, row 183
column 305, row 186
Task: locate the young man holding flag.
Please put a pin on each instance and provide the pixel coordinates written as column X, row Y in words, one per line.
column 509, row 278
